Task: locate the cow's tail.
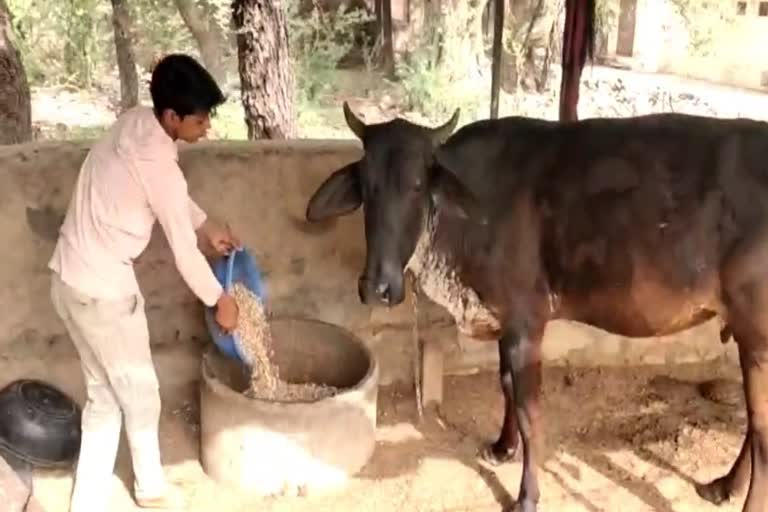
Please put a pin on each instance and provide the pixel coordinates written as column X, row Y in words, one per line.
column 579, row 36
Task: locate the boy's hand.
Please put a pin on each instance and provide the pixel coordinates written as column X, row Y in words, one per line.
column 226, row 313
column 221, row 239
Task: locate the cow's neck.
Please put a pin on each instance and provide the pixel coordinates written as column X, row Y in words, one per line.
column 440, row 281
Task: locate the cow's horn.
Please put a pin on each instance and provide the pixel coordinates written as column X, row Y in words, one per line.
column 441, row 133
column 354, row 123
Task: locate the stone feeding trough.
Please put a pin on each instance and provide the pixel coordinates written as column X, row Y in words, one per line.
column 273, row 447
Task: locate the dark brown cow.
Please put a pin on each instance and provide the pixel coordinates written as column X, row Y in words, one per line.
column 639, row 226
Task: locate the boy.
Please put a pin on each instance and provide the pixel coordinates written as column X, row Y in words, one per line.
column 130, row 179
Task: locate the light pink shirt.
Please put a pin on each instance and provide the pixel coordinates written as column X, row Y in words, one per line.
column 130, row 179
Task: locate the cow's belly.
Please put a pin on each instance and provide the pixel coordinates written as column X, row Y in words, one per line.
column 627, row 313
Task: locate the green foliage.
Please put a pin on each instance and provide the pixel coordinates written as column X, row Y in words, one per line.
column 71, row 42
column 62, row 42
column 318, row 42
column 435, row 85
column 430, row 91
column 158, row 29
column 228, row 122
column 703, row 21
column 219, row 13
column 606, row 21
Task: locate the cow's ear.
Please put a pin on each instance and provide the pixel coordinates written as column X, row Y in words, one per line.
column 339, row 194
column 451, row 196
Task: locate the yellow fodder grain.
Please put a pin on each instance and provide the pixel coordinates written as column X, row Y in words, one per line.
column 256, row 340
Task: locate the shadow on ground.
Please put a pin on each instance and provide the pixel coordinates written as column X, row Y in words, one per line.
column 629, row 428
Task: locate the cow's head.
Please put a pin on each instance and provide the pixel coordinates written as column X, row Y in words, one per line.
column 397, row 183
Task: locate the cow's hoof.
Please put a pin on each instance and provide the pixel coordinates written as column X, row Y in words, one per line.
column 497, row 454
column 714, row 492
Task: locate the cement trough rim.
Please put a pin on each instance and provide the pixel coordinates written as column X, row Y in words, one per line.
column 217, row 386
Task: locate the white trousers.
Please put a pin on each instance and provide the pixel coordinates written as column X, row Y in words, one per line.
column 112, row 339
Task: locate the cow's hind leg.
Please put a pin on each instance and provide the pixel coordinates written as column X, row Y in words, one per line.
column 722, row 489
column 745, row 287
column 754, row 362
column 506, row 447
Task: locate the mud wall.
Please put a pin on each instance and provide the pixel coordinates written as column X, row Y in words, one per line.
column 262, row 189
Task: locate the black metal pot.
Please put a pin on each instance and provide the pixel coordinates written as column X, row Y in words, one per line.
column 39, row 423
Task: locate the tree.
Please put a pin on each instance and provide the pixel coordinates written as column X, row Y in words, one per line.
column 531, row 42
column 266, row 71
column 384, row 19
column 80, row 36
column 15, row 100
column 454, row 37
column 535, row 33
column 209, row 35
column 126, row 62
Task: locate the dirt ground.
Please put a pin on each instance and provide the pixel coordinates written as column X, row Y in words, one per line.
column 616, row 439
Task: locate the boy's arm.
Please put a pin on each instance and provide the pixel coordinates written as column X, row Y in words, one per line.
column 196, row 214
column 214, row 240
column 178, row 215
column 198, row 217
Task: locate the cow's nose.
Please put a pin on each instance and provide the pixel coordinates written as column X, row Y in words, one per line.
column 374, row 290
column 383, row 292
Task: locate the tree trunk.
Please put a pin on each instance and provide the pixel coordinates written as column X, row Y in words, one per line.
column 387, row 47
column 210, row 39
column 460, row 38
column 126, row 61
column 15, row 100
column 434, row 23
column 532, row 26
column 266, row 71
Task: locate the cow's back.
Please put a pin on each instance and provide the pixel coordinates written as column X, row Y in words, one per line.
column 632, row 217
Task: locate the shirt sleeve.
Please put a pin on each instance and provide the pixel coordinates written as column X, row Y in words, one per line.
column 197, row 215
column 167, row 193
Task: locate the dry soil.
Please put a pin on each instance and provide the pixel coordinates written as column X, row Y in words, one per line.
column 616, row 439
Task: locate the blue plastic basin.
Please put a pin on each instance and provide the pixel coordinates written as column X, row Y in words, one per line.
column 238, row 267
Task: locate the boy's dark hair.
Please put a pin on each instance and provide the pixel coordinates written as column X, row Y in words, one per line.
column 183, row 85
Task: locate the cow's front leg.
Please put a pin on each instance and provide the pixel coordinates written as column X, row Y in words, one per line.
column 506, row 447
column 521, row 351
